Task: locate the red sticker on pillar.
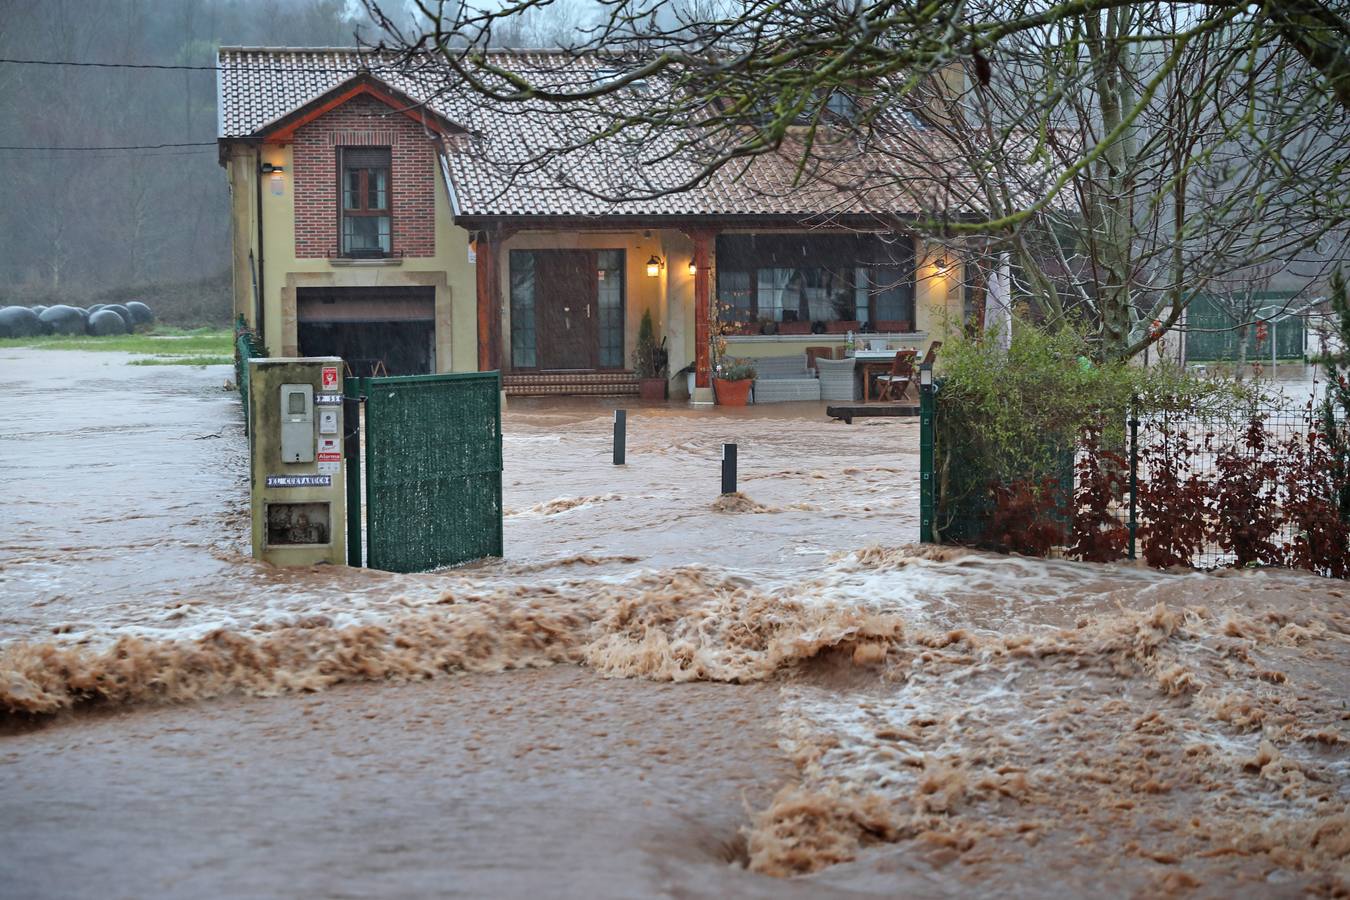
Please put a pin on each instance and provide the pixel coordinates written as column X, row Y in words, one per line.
column 329, row 378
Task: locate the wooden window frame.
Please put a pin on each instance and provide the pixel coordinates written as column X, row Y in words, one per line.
column 364, row 212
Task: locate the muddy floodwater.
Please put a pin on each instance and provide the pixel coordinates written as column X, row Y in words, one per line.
column 658, row 692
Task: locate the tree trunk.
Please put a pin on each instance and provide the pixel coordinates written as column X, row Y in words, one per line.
column 1241, row 351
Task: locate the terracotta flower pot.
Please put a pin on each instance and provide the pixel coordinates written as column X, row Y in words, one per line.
column 732, row 393
column 652, row 388
column 794, row 327
column 842, row 327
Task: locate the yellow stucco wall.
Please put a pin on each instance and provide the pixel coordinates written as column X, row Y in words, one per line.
column 448, row 271
column 240, row 168
column 678, row 318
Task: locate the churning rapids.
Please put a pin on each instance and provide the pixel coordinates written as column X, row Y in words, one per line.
column 658, row 692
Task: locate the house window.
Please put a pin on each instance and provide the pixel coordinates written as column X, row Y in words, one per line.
column 817, row 279
column 609, row 297
column 366, row 221
column 523, row 355
column 841, row 105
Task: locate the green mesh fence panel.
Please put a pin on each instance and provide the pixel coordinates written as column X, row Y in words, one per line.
column 433, row 470
column 963, row 475
column 1211, row 335
column 245, row 348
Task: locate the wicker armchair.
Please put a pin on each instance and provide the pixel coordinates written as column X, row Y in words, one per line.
column 836, row 379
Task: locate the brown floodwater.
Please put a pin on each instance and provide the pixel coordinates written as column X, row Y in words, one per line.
column 659, row 691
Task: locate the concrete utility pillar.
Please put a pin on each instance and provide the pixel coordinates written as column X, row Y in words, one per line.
column 296, row 467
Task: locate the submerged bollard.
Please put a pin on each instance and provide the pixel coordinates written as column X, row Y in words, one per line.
column 728, row 468
column 620, row 437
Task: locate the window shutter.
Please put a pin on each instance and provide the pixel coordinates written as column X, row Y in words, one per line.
column 365, row 157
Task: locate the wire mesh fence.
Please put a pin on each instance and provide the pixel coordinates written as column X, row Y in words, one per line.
column 1263, row 485
column 246, row 347
column 1266, row 482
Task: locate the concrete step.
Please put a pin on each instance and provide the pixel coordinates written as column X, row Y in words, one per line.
column 542, row 384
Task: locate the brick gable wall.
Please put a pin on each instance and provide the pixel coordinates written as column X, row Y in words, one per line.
column 364, row 121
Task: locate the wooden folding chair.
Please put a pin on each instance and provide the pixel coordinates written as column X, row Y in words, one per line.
column 814, row 353
column 900, row 376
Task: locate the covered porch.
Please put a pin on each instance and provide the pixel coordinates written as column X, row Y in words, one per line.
column 560, row 302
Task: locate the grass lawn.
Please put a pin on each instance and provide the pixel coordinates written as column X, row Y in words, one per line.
column 161, row 346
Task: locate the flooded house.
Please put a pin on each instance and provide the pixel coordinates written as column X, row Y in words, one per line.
column 381, row 214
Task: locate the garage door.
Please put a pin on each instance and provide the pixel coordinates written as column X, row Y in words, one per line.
column 378, row 331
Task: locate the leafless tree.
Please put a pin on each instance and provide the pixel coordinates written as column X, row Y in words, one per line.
column 1126, row 154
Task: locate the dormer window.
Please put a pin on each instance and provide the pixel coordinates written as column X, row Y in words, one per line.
column 606, row 75
column 842, row 105
column 365, row 220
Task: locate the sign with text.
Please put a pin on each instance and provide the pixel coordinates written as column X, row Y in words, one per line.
column 292, row 481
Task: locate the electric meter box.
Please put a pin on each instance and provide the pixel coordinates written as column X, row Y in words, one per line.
column 297, row 472
column 297, row 423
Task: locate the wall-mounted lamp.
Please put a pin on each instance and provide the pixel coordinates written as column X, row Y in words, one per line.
column 269, row 169
column 942, row 266
column 693, row 269
column 654, row 266
column 926, row 376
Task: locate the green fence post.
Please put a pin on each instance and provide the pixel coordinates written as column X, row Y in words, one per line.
column 927, row 500
column 1134, row 471
column 501, row 466
column 351, row 452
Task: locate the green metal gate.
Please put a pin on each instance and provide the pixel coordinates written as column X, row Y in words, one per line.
column 433, row 470
column 1212, row 331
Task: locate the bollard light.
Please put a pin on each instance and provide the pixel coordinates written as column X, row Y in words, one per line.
column 926, row 375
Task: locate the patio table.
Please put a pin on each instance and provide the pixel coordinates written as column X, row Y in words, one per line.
column 872, row 362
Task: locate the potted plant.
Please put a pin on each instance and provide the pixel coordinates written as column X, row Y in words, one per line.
column 732, row 381
column 731, row 378
column 649, row 361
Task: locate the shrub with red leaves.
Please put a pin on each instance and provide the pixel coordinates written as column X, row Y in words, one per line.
column 1173, row 499
column 1309, row 484
column 1098, row 535
column 1246, row 505
column 1026, row 518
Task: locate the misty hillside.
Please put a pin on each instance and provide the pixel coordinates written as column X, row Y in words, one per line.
column 77, row 224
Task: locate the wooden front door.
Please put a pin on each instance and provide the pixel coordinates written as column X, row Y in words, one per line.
column 567, row 323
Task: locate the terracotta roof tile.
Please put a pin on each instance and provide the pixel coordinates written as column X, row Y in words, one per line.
column 510, row 165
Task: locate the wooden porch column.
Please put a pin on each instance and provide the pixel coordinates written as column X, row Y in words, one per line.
column 702, row 307
column 488, row 271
